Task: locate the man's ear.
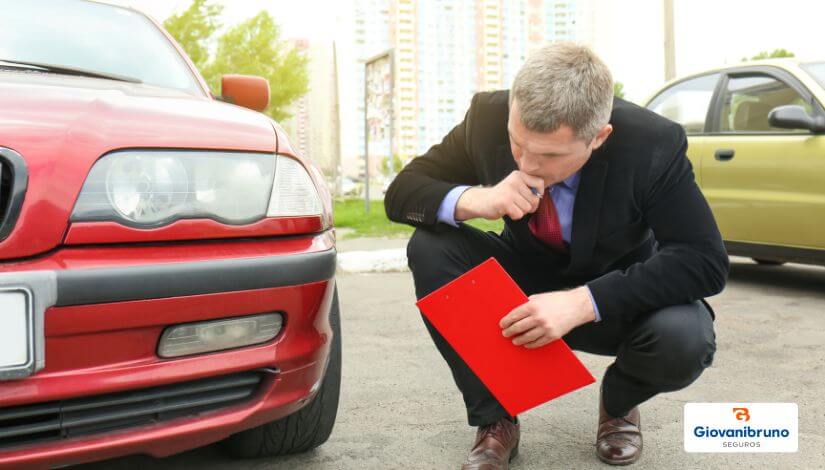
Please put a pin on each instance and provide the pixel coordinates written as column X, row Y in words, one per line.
column 603, row 134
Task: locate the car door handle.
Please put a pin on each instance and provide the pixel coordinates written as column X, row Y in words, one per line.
column 724, row 155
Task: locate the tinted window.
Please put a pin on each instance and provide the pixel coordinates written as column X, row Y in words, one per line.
column 687, row 102
column 91, row 36
column 747, row 101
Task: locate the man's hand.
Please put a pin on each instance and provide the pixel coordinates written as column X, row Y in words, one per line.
column 511, row 197
column 547, row 317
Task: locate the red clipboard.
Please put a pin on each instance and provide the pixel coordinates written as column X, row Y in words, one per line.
column 467, row 312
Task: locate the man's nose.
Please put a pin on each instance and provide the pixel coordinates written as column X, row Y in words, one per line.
column 529, row 164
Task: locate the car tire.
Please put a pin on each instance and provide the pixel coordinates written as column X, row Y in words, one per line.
column 308, row 427
column 768, row 262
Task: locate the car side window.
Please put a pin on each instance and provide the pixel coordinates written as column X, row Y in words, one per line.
column 687, row 102
column 747, row 100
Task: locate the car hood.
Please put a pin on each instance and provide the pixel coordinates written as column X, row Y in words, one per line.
column 61, row 125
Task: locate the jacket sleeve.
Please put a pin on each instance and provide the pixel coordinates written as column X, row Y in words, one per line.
column 691, row 261
column 417, row 191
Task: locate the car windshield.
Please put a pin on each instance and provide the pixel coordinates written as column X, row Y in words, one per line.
column 816, row 70
column 63, row 36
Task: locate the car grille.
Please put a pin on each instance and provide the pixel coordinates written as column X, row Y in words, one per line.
column 5, row 188
column 13, row 183
column 89, row 415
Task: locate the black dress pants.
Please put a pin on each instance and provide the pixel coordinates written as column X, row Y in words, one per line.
column 659, row 351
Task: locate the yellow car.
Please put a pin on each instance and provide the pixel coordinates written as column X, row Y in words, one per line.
column 756, row 139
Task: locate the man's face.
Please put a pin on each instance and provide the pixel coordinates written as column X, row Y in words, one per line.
column 552, row 156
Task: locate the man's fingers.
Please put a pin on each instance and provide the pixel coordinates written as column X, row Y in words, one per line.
column 522, row 311
column 534, row 201
column 523, row 203
column 514, row 212
column 532, row 191
column 542, row 341
column 531, row 197
column 533, row 182
column 529, row 336
column 516, row 197
column 518, row 206
column 519, row 327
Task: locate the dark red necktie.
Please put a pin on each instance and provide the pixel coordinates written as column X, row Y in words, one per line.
column 545, row 224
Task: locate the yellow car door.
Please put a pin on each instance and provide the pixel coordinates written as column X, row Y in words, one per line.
column 765, row 184
column 688, row 103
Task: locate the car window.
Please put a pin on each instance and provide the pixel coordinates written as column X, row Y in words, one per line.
column 687, row 102
column 747, row 101
column 817, row 70
column 92, row 36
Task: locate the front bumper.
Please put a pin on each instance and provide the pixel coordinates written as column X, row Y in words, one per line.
column 112, row 304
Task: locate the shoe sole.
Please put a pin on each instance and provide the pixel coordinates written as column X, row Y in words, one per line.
column 619, row 462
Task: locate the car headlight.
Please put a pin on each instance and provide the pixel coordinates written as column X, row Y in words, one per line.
column 153, row 188
column 295, row 195
column 146, row 190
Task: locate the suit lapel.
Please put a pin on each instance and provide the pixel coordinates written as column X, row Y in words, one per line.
column 587, row 211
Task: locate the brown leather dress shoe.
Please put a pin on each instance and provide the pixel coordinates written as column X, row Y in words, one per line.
column 494, row 447
column 619, row 440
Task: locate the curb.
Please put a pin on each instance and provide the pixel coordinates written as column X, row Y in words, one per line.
column 373, row 261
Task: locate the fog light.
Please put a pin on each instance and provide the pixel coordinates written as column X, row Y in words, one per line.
column 217, row 335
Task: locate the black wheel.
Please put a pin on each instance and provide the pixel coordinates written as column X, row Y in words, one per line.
column 308, row 427
column 768, row 262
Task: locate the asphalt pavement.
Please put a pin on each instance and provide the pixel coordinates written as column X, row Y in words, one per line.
column 400, row 409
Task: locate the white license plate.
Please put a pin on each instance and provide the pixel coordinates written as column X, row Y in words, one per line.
column 15, row 329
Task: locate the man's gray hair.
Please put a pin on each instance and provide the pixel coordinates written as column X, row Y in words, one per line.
column 564, row 83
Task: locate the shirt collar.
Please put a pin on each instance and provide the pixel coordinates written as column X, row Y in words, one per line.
column 572, row 181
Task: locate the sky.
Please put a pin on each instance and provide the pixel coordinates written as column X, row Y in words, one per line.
column 629, row 33
column 312, row 19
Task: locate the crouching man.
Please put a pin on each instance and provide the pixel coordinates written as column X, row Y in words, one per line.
column 605, row 230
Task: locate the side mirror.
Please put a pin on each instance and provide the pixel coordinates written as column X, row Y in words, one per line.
column 248, row 91
column 795, row 117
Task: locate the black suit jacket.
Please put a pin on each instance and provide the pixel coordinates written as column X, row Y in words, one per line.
column 643, row 235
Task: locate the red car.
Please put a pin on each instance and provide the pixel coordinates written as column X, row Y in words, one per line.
column 167, row 259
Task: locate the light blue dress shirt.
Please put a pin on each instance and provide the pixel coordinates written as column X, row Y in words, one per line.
column 564, row 197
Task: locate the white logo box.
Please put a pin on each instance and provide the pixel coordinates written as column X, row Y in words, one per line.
column 741, row 427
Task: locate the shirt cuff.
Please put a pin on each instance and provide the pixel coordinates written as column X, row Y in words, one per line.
column 595, row 307
column 446, row 211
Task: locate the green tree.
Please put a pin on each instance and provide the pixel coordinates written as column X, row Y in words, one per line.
column 391, row 166
column 194, row 29
column 774, row 54
column 618, row 89
column 254, row 47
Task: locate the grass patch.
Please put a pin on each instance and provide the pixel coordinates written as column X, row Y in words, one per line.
column 350, row 213
column 488, row 225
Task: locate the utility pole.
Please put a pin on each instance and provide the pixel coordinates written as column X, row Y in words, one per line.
column 336, row 126
column 670, row 44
